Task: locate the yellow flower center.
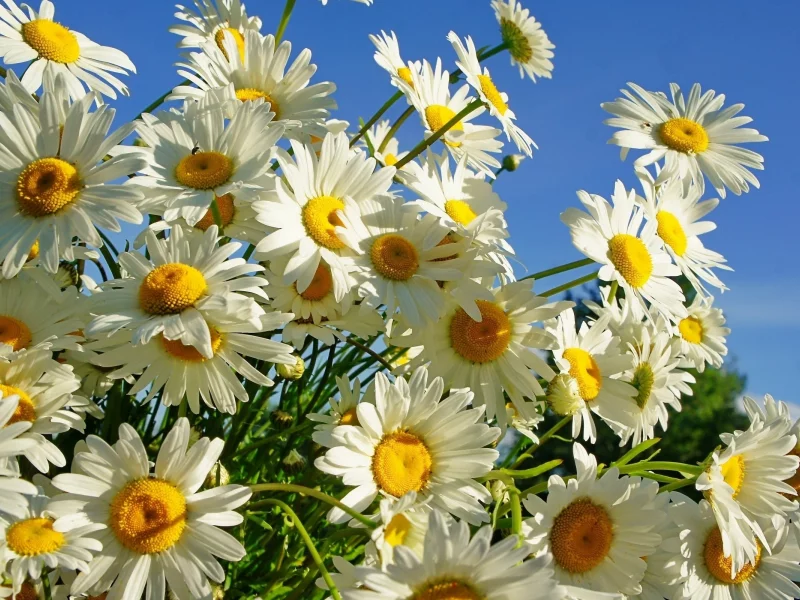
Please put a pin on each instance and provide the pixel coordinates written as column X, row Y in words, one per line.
column 204, row 170
column 671, row 231
column 148, row 515
column 248, row 94
column 691, row 330
column 401, row 463
column 437, row 116
column 219, row 38
column 25, row 411
column 733, row 472
column 14, row 333
column 390, row 160
column 404, row 73
column 46, row 186
column 794, row 480
column 226, row 213
column 34, row 251
column 492, row 95
column 584, row 369
column 484, row 341
column 684, row 135
column 460, row 211
column 394, row 257
column 27, row 592
column 397, row 530
column 188, row 353
column 631, row 258
column 320, row 220
column 447, row 590
column 321, row 285
column 51, row 40
column 643, row 380
column 349, row 418
column 170, row 289
column 581, row 536
column 518, row 45
column 32, row 537
column 720, row 566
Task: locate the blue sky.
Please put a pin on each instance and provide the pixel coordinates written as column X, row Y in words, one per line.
column 742, row 49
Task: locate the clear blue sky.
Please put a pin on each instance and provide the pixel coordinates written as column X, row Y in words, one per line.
column 746, row 50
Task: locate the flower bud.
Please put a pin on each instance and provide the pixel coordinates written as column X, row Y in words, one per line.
column 563, row 395
column 292, row 372
column 294, row 462
column 512, row 161
column 281, row 419
column 217, row 476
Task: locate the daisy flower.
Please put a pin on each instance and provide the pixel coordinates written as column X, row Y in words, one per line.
column 701, row 334
column 495, row 354
column 200, row 158
column 188, row 276
column 54, row 49
column 412, row 440
column 677, row 215
column 13, row 443
column 30, row 543
column 56, row 186
column 591, row 362
column 404, row 522
column 528, row 44
column 153, row 525
column 388, row 57
column 260, row 75
column 429, row 93
column 454, row 566
column 599, row 531
column 348, row 573
column 694, row 136
column 625, row 319
column 525, row 418
column 632, row 255
column 342, row 410
column 304, row 214
column 378, row 137
column 496, row 101
column 208, row 21
column 13, row 92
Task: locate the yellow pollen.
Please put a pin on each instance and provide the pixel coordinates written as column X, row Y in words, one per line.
column 401, row 463
column 148, row 515
column 14, row 333
column 794, row 480
column 671, row 231
column 397, row 530
column 321, row 285
column 684, row 135
column 437, row 116
column 390, row 160
column 349, row 418
column 581, row 536
column 25, row 411
column 404, row 73
column 320, row 220
column 460, row 211
column 32, row 537
column 492, row 95
column 447, row 590
column 518, row 45
column 394, row 257
column 46, row 186
column 33, row 253
column 691, row 330
column 204, row 170
column 226, row 213
column 484, row 341
column 631, row 258
column 584, row 369
column 733, row 472
column 188, row 353
column 26, row 592
column 219, row 38
column 51, row 40
column 170, row 289
column 643, row 380
column 248, row 94
column 720, row 566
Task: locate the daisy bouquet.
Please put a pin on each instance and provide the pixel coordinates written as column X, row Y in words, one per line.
column 248, row 350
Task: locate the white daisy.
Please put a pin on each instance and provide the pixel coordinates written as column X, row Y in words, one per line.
column 305, row 212
column 187, row 277
column 386, row 149
column 404, row 522
column 632, row 255
column 388, row 57
column 152, row 525
column 694, row 136
column 347, row 577
column 57, row 50
column 599, row 531
column 525, row 418
column 342, row 410
column 413, row 440
column 701, row 335
column 624, row 318
column 528, row 44
column 208, row 21
column 454, row 566
column 13, row 92
column 55, row 183
column 13, row 443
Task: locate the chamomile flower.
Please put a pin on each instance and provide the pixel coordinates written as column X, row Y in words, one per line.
column 56, row 185
column 624, row 318
column 495, row 354
column 496, row 101
column 342, row 410
column 200, row 158
column 304, row 214
column 188, row 275
column 694, row 136
column 404, row 522
column 631, row 255
column 528, row 44
column 412, row 440
column 12, row 443
column 52, row 49
column 701, row 334
column 454, row 566
column 387, row 149
column 598, row 530
column 429, row 93
column 153, row 525
column 387, row 55
column 210, row 19
column 591, row 362
column 13, row 92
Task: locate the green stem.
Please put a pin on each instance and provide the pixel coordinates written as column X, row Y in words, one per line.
column 397, row 124
column 534, row 472
column 287, row 13
column 369, row 351
column 550, row 433
column 111, row 262
column 570, row 285
column 300, row 489
column 159, row 101
column 612, row 292
column 677, row 485
column 374, row 118
column 516, row 512
column 657, row 465
column 585, row 262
